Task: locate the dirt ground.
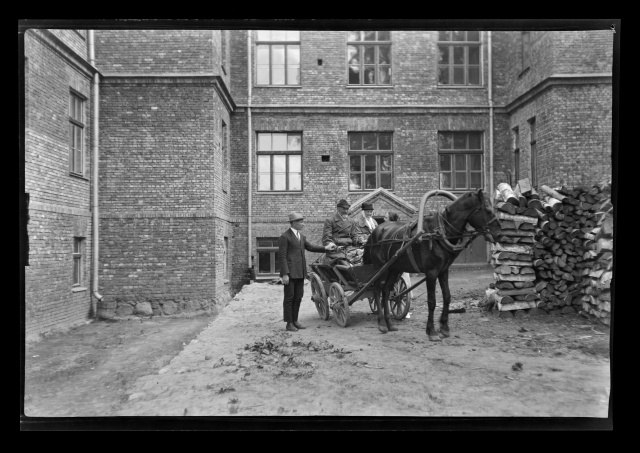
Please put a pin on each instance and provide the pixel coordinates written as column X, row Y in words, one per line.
column 242, row 362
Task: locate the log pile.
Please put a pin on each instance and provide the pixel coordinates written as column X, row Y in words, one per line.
column 556, row 248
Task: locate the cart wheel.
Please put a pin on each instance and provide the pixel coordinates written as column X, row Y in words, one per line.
column 372, row 305
column 399, row 308
column 339, row 304
column 319, row 296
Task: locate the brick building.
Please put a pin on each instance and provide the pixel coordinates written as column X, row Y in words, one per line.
column 207, row 139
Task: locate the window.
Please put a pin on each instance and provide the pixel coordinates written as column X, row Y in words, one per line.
column 225, row 156
column 278, row 57
column 225, row 257
column 268, row 256
column 459, row 58
column 279, row 161
column 460, row 156
column 525, row 39
column 78, row 246
column 76, row 134
column 369, row 57
column 534, row 153
column 516, row 155
column 370, row 160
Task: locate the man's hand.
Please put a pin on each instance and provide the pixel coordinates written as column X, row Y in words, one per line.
column 330, row 247
column 285, row 279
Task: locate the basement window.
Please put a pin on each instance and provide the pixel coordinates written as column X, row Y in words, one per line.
column 326, row 158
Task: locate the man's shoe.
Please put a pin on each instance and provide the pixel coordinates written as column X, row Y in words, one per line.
column 299, row 326
column 291, row 327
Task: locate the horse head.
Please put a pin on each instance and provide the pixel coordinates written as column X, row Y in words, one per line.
column 483, row 218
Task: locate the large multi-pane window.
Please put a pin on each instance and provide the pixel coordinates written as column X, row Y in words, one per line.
column 369, row 57
column 78, row 245
column 460, row 156
column 76, row 134
column 279, row 161
column 534, row 153
column 278, row 57
column 459, row 58
column 268, row 256
column 370, row 160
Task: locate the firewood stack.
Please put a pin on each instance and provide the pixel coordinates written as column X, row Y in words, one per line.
column 556, row 248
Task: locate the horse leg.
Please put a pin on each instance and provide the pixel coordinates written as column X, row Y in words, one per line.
column 443, row 279
column 431, row 303
column 392, row 277
column 382, row 325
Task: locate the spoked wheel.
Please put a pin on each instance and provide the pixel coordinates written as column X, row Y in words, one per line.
column 319, row 296
column 339, row 304
column 372, row 305
column 399, row 308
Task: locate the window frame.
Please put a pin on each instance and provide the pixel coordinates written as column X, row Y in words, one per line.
column 450, row 65
column 270, row 43
column 225, row 259
column 467, row 152
column 76, row 123
column 516, row 154
column 78, row 262
column 273, row 255
column 273, row 153
column 363, row 153
column 534, row 152
column 361, row 43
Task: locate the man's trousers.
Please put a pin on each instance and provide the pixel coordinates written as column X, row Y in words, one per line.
column 292, row 297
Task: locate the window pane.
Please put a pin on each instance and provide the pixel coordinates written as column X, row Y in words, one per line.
column 77, row 167
column 445, row 181
column 295, row 164
column 370, row 181
column 384, row 55
column 476, row 180
column 385, row 180
column 264, row 142
column 445, row 162
column 458, row 35
column 370, row 163
column 76, row 246
column 264, row 262
column 293, row 35
column 475, row 140
column 277, row 53
column 460, row 140
column 445, row 140
column 370, row 140
column 384, row 75
column 474, row 76
column 279, row 142
column 458, row 55
column 78, row 140
column 264, row 35
column 263, row 75
column 458, row 76
column 461, row 180
column 460, row 162
column 264, row 181
column 475, row 162
column 385, row 163
column 294, row 142
column 474, row 55
column 293, row 55
column 443, row 35
column 370, row 75
column 278, row 35
column 369, row 55
column 353, row 54
column 72, row 106
column 369, row 35
column 384, row 36
column 443, row 75
column 76, row 271
column 355, row 164
column 278, row 75
column 279, row 164
column 293, row 75
column 384, row 141
column 295, row 181
column 277, row 270
column 354, row 75
column 354, row 182
column 353, row 36
column 264, row 164
column 265, row 242
column 473, row 36
column 355, row 141
column 279, row 181
column 443, row 54
column 263, row 55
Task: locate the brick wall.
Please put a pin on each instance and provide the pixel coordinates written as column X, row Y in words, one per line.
column 59, row 208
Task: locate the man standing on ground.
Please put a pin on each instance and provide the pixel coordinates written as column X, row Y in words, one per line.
column 293, row 268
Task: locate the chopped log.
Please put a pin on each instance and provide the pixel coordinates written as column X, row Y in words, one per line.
column 516, row 292
column 540, row 286
column 604, row 245
column 493, row 295
column 554, row 203
column 552, row 193
column 497, row 196
column 570, row 200
column 501, row 255
column 559, row 215
column 521, row 249
column 507, row 193
column 520, row 305
column 517, row 218
column 535, row 204
column 522, row 200
column 521, row 256
column 514, row 278
column 510, row 263
column 526, row 270
column 508, row 224
column 504, row 270
column 530, row 212
column 607, row 226
column 519, row 233
column 509, row 208
column 504, row 285
column 525, row 186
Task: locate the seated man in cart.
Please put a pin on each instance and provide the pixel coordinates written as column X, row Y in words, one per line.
column 341, row 231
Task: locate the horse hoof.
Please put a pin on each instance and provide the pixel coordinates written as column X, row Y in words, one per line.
column 383, row 329
column 444, row 334
column 434, row 338
column 393, row 328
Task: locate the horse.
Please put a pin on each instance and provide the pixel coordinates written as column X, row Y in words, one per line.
column 432, row 256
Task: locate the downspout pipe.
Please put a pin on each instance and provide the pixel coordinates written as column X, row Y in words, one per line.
column 249, row 156
column 490, row 85
column 94, row 167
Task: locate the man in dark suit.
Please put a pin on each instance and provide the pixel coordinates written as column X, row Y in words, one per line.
column 293, row 267
column 341, row 231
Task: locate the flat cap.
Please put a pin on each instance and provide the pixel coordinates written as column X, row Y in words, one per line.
column 343, row 203
column 293, row 216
